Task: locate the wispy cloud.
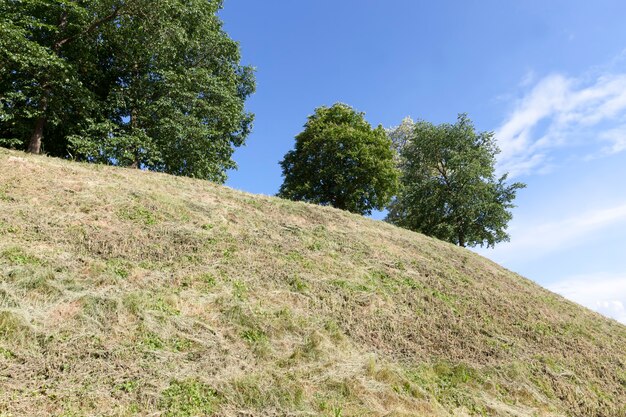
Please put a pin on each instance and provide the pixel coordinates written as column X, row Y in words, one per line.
column 559, row 112
column 616, row 139
column 537, row 240
column 603, row 293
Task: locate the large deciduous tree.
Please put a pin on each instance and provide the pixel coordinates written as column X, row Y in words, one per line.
column 42, row 54
column 449, row 189
column 341, row 161
column 139, row 83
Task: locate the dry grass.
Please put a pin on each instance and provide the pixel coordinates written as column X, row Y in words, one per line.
column 130, row 293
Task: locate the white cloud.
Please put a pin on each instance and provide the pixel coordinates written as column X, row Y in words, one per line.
column 616, row 139
column 563, row 112
column 603, row 293
column 538, row 240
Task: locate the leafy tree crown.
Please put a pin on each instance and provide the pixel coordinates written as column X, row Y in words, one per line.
column 340, row 160
column 449, row 188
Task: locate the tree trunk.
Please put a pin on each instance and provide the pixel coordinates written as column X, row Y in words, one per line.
column 133, row 125
column 461, row 240
column 34, row 145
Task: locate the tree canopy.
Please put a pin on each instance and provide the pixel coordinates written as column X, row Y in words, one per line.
column 340, row 160
column 140, row 83
column 449, row 189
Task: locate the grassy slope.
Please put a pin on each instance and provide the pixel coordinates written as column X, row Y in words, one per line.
column 132, row 293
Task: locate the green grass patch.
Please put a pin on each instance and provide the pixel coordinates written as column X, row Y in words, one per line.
column 128, row 386
column 254, row 336
column 4, row 195
column 41, row 283
column 119, row 267
column 17, row 256
column 7, row 228
column 152, row 341
column 164, row 304
column 141, row 302
column 257, row 392
column 208, row 280
column 6, row 353
column 452, row 385
column 298, row 259
column 240, row 290
column 188, row 398
column 13, row 328
column 297, row 284
column 138, row 214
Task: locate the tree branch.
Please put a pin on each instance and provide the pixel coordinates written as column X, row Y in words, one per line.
column 441, row 169
column 94, row 25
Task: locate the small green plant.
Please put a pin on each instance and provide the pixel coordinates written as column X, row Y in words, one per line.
column 119, row 267
column 228, row 254
column 240, row 290
column 254, row 336
column 128, row 386
column 152, row 341
column 165, row 305
column 315, row 245
column 208, row 279
column 297, row 284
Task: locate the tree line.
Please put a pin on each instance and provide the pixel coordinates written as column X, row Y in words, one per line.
column 158, row 85
column 434, row 179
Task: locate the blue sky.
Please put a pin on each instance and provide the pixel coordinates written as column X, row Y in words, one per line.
column 548, row 77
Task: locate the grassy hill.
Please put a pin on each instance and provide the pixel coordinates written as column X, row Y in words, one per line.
column 131, row 293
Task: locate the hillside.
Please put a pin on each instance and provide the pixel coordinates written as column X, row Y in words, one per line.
column 131, row 293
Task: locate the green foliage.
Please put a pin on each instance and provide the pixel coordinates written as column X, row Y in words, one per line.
column 154, row 85
column 138, row 214
column 188, row 398
column 339, row 160
column 17, row 256
column 254, row 336
column 448, row 185
column 36, row 77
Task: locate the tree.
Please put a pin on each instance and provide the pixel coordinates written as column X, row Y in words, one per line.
column 139, row 83
column 339, row 160
column 449, row 188
column 40, row 86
